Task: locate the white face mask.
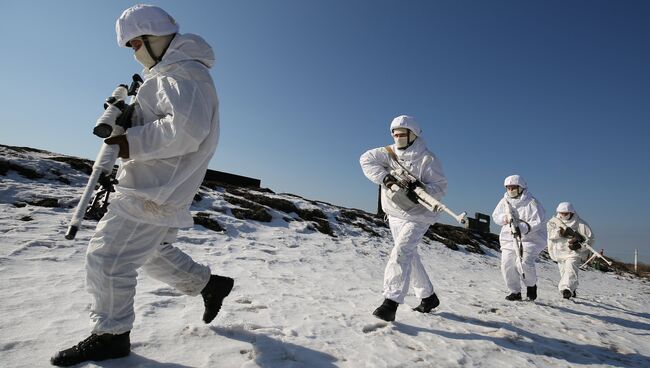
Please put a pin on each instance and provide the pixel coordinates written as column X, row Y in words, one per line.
column 158, row 45
column 403, row 142
column 514, row 193
column 143, row 57
column 565, row 217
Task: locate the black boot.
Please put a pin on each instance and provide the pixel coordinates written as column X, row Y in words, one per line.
column 566, row 293
column 95, row 347
column 213, row 293
column 427, row 304
column 386, row 310
column 531, row 292
column 514, row 296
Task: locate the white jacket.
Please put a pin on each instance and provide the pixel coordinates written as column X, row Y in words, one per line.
column 529, row 210
column 376, row 164
column 558, row 246
column 174, row 135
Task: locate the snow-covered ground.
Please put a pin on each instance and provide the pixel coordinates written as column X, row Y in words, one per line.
column 302, row 298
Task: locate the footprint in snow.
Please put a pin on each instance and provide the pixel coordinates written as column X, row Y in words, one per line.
column 373, row 327
column 248, row 305
column 166, row 292
column 488, row 310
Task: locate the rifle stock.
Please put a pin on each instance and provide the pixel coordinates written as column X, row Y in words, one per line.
column 435, row 205
column 597, row 254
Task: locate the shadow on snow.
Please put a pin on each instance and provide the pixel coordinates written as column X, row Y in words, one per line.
column 535, row 344
column 269, row 352
column 607, row 319
column 613, row 308
column 135, row 360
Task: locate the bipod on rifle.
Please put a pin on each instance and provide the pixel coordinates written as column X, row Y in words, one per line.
column 97, row 209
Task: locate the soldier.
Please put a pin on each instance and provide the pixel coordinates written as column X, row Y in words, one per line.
column 408, row 219
column 518, row 206
column 567, row 233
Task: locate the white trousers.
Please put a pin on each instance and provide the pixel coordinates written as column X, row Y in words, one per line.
column 569, row 273
column 509, row 270
column 117, row 249
column 404, row 262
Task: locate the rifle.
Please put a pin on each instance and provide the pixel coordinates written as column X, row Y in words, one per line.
column 569, row 233
column 410, row 189
column 516, row 234
column 114, row 121
column 584, row 265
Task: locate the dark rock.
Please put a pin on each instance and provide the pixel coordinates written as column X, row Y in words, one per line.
column 278, row 204
column 23, row 149
column 79, row 164
column 198, row 197
column 242, row 202
column 452, row 236
column 45, row 202
column 203, row 219
column 63, row 180
column 256, row 215
column 431, row 234
column 323, row 226
column 363, row 220
column 319, row 219
column 25, row 172
column 351, row 215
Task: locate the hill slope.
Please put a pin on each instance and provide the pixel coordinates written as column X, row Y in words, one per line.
column 308, row 274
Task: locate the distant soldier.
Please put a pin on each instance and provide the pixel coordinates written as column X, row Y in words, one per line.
column 408, row 219
column 522, row 236
column 567, row 233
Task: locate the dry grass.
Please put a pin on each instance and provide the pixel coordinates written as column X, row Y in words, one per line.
column 643, row 269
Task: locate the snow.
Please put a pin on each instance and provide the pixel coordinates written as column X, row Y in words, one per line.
column 301, row 298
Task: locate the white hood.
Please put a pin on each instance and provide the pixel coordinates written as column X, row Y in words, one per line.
column 140, row 20
column 565, row 207
column 515, row 180
column 173, row 137
column 407, row 122
column 185, row 47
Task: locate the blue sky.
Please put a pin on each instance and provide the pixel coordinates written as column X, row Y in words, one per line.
column 557, row 91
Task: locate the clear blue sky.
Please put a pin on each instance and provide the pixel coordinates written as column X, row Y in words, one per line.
column 557, row 91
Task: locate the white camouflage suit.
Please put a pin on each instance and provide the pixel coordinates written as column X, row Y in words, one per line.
column 568, row 260
column 533, row 236
column 407, row 228
column 175, row 133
